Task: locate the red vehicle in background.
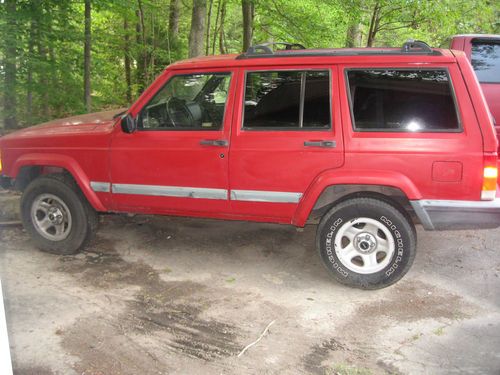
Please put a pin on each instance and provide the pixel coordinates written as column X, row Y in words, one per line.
column 483, row 51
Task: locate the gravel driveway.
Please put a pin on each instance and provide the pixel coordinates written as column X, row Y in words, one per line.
column 159, row 295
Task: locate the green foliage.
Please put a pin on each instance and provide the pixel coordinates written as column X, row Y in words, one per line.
column 49, row 39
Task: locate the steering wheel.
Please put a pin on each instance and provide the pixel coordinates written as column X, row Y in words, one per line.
column 179, row 113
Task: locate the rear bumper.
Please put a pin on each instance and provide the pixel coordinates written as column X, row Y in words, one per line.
column 445, row 215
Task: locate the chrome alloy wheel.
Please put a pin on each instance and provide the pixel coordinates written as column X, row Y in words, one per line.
column 51, row 217
column 364, row 245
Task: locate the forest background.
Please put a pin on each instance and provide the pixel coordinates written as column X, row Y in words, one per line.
column 65, row 57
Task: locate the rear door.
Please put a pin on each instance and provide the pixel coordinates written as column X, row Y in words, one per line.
column 286, row 131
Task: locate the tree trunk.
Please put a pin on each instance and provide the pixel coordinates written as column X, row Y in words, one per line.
column 196, row 36
column 207, row 42
column 87, row 56
column 353, row 35
column 151, row 55
column 173, row 19
column 144, row 51
column 29, row 73
column 44, row 81
column 222, row 37
column 140, row 42
column 248, row 15
column 375, row 20
column 10, row 57
column 216, row 27
column 53, row 79
column 126, row 55
column 173, row 25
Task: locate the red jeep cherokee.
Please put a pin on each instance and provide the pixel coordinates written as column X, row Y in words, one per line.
column 366, row 141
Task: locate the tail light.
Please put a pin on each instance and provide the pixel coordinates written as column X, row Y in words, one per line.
column 490, row 177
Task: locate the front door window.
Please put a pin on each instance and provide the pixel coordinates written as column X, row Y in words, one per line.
column 188, row 102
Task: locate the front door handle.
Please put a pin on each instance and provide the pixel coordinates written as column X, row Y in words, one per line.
column 325, row 144
column 214, row 142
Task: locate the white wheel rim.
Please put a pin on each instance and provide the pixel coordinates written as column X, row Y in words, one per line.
column 364, row 245
column 51, row 217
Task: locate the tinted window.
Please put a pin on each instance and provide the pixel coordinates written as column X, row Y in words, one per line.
column 317, row 100
column 188, row 102
column 287, row 100
column 486, row 61
column 402, row 100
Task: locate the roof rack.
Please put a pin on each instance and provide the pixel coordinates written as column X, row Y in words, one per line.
column 264, row 50
column 413, row 46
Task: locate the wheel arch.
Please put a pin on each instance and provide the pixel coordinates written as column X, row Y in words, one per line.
column 333, row 187
column 336, row 194
column 30, row 166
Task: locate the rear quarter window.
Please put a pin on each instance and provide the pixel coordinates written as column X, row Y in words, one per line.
column 485, row 59
column 402, row 100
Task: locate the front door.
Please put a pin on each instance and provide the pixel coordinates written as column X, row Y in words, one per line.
column 177, row 160
column 286, row 131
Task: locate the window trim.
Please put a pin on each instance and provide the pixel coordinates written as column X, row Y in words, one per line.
column 459, row 129
column 300, row 128
column 229, row 73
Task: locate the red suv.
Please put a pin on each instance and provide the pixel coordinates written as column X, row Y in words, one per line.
column 367, row 142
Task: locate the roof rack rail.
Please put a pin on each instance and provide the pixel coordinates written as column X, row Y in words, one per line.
column 416, row 46
column 264, row 50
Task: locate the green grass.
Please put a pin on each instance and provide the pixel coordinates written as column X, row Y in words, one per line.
column 343, row 369
column 439, row 331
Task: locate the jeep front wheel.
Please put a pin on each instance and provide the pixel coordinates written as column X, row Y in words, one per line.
column 56, row 215
column 366, row 243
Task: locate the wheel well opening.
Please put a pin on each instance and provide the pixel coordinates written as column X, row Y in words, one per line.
column 333, row 195
column 29, row 173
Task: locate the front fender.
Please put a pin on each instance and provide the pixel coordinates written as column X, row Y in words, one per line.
column 61, row 161
column 348, row 177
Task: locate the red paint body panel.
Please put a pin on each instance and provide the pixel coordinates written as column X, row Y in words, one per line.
column 270, row 160
column 172, row 158
column 94, row 148
column 412, row 154
column 79, row 144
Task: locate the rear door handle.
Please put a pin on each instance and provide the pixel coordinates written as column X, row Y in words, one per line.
column 325, row 144
column 214, row 142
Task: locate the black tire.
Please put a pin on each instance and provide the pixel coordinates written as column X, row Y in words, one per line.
column 83, row 218
column 382, row 220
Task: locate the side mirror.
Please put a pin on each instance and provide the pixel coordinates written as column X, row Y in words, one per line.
column 129, row 125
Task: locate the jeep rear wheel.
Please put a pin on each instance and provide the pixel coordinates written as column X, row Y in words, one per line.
column 56, row 215
column 366, row 243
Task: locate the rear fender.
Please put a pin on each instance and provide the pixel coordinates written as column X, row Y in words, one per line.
column 357, row 177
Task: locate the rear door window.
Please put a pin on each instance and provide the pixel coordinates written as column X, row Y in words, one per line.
column 486, row 61
column 287, row 100
column 402, row 100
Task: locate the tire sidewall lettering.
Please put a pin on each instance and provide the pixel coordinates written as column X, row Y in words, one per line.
column 399, row 243
column 329, row 248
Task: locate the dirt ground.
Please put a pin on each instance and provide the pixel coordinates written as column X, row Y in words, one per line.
column 157, row 295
